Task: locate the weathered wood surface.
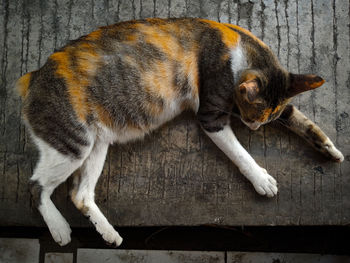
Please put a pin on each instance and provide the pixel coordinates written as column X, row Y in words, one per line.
column 177, row 176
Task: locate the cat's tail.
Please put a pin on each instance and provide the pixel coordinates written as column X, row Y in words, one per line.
column 22, row 85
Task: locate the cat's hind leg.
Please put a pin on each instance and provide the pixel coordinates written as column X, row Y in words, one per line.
column 83, row 192
column 52, row 169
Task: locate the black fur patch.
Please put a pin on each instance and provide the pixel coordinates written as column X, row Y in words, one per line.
column 286, row 114
column 117, row 88
column 181, row 82
column 216, row 83
column 50, row 113
column 35, row 189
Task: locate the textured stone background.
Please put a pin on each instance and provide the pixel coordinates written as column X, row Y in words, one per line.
column 177, row 176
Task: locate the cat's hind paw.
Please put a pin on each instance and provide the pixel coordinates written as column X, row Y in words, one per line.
column 109, row 234
column 61, row 232
column 265, row 184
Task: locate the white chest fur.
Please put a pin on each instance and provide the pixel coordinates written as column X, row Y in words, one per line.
column 238, row 62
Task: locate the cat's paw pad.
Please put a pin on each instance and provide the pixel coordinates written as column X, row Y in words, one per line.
column 334, row 153
column 265, row 184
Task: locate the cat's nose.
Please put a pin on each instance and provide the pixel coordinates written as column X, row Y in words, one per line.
column 252, row 125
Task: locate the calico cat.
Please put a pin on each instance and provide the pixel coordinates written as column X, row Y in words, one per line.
column 122, row 81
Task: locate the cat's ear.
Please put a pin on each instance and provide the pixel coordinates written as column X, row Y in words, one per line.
column 249, row 90
column 299, row 83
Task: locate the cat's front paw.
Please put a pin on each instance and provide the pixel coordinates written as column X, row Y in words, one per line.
column 333, row 152
column 264, row 183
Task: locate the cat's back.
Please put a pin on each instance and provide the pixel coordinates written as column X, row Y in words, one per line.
column 149, row 71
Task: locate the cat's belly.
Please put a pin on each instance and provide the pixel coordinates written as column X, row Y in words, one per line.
column 134, row 131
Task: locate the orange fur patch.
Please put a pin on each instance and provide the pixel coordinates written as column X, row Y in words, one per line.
column 155, row 20
column 247, row 32
column 265, row 115
column 131, row 61
column 276, row 109
column 22, row 85
column 158, row 81
column 165, row 37
column 154, row 109
column 248, row 77
column 160, row 38
column 132, row 38
column 94, row 35
column 103, row 116
column 315, row 85
column 87, row 61
column 190, row 68
column 78, row 79
column 229, row 37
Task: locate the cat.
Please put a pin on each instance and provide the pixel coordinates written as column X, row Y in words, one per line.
column 122, row 81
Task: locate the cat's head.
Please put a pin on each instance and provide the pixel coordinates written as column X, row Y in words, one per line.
column 262, row 97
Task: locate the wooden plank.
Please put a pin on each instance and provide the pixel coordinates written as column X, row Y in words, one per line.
column 147, row 8
column 12, row 131
column 325, row 103
column 162, row 8
column 224, row 12
column 127, row 10
column 4, row 18
column 3, row 61
column 177, row 8
column 177, row 176
column 209, row 9
column 113, row 12
column 342, row 93
column 285, row 202
column 302, row 175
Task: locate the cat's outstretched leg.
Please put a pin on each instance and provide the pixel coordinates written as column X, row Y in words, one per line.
column 263, row 183
column 53, row 168
column 83, row 192
column 301, row 125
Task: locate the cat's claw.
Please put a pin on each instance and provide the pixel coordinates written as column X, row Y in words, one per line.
column 265, row 184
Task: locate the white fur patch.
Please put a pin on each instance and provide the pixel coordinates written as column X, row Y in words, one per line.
column 53, row 168
column 253, row 126
column 58, row 226
column 333, row 151
column 238, row 62
column 263, row 183
column 171, row 109
column 84, row 190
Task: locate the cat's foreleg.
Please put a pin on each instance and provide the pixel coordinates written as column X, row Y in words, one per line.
column 263, row 183
column 296, row 121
